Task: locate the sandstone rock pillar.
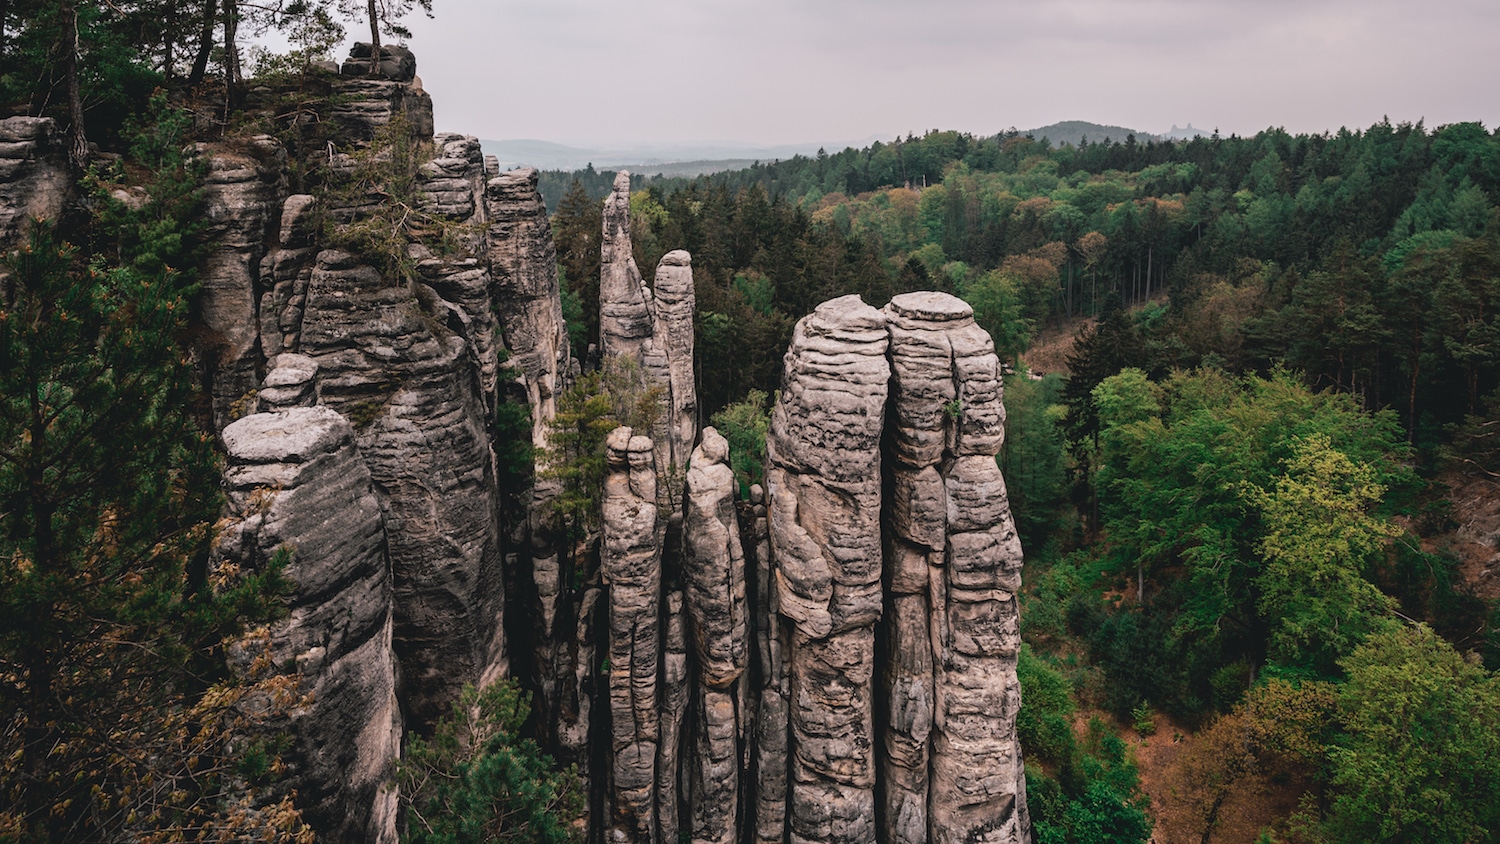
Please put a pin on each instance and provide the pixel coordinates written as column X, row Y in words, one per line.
column 651, row 328
column 296, row 482
column 824, row 479
column 631, row 563
column 953, row 568
column 714, row 571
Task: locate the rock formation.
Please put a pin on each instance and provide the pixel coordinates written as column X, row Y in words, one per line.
column 951, row 763
column 242, row 198
column 631, row 565
column 34, row 177
column 653, row 329
column 296, row 484
column 710, row 665
column 714, row 571
column 823, row 479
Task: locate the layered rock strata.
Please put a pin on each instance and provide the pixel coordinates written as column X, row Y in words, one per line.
column 34, row 177
column 242, row 197
column 714, row 572
column 951, row 769
column 296, row 484
column 631, row 565
column 652, row 327
column 823, row 478
column 706, row 686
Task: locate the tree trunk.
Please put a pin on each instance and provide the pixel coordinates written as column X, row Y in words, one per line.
column 205, row 42
column 232, row 76
column 1416, row 371
column 169, row 43
column 374, row 39
column 78, row 142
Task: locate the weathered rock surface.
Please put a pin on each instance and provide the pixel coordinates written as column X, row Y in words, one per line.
column 242, row 199
column 651, row 328
column 405, row 380
column 396, row 63
column 364, row 106
column 34, row 177
column 951, row 769
column 631, row 564
column 676, row 691
column 292, row 382
column 295, row 482
column 714, row 571
column 824, row 482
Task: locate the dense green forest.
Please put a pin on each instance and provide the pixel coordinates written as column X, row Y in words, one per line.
column 1234, row 501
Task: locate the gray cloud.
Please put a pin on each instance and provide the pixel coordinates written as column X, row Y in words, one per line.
column 783, row 71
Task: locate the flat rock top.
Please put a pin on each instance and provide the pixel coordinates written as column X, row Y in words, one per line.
column 286, row 436
column 847, row 313
column 677, row 258
column 290, row 369
column 931, row 306
column 513, row 182
column 26, row 128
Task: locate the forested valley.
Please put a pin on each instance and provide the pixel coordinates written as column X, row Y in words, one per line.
column 1252, row 444
column 1252, row 451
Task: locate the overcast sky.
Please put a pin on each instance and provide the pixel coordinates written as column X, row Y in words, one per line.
column 785, row 71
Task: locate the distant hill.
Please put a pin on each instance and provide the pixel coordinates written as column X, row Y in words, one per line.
column 672, row 159
column 1074, row 131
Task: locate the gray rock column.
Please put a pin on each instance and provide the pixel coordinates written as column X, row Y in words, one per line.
column 714, row 571
column 654, row 330
column 242, row 197
column 631, row 563
column 824, row 481
column 950, row 521
column 676, row 692
column 295, row 481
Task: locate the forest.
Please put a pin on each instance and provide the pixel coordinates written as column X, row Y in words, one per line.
column 1253, row 377
column 1253, row 424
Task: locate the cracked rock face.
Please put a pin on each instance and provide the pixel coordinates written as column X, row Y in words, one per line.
column 951, row 768
column 714, row 568
column 243, row 198
column 296, row 483
column 34, row 178
column 823, row 479
column 631, row 563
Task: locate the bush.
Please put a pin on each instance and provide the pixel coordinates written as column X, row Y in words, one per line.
column 477, row 780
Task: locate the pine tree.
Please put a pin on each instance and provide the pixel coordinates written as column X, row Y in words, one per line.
column 110, row 625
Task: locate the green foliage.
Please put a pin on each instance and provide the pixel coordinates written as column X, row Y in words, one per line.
column 1044, row 724
column 1143, row 719
column 997, row 308
column 1317, row 540
column 1217, row 476
column 111, row 627
column 1033, row 458
column 744, row 425
column 479, row 780
column 1420, row 761
column 597, row 403
column 575, row 455
column 1096, row 797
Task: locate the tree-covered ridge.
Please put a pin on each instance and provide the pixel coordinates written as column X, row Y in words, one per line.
column 1227, row 504
column 1365, row 259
